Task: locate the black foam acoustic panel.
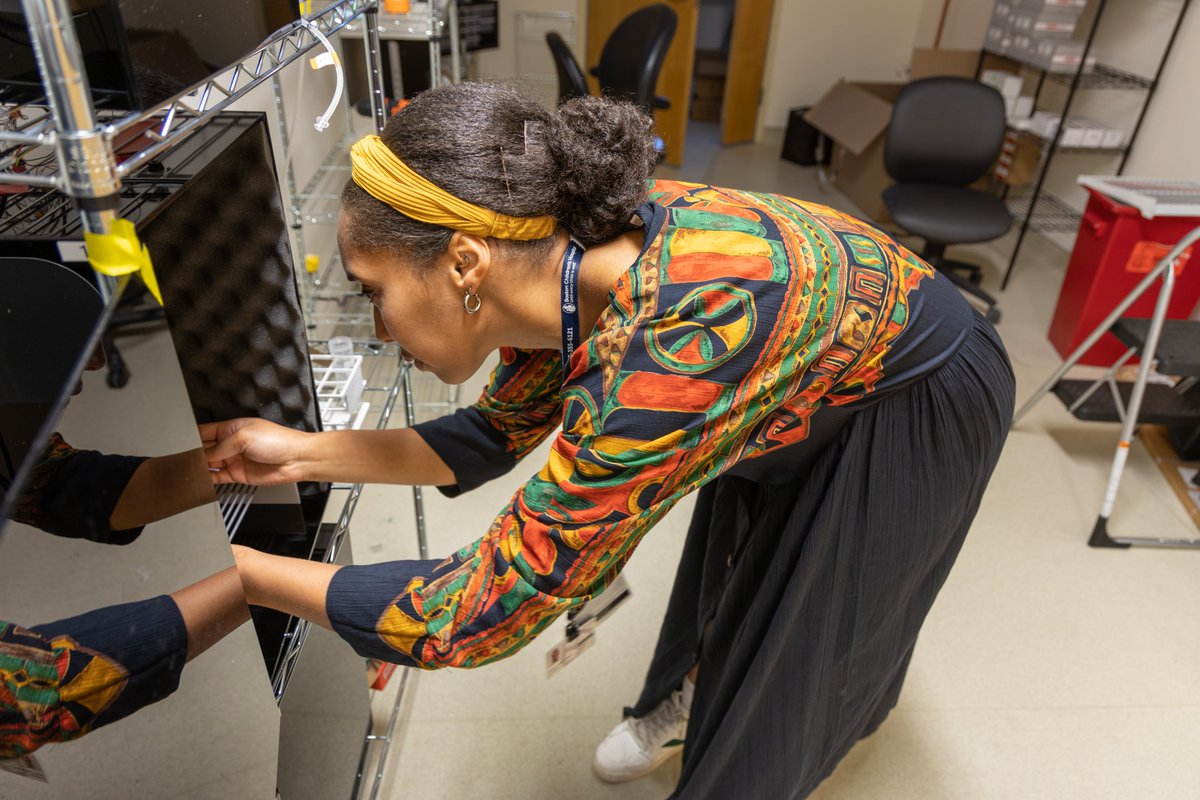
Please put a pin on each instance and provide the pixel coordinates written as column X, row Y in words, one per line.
column 221, row 252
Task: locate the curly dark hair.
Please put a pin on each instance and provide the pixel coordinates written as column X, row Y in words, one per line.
column 587, row 165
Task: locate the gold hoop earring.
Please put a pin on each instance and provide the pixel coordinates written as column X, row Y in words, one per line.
column 472, row 302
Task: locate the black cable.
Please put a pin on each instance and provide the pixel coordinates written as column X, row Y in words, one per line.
column 15, row 40
column 12, row 471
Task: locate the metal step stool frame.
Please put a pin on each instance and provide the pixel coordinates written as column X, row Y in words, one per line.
column 1164, row 269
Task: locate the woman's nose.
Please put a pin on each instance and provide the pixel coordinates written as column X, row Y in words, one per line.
column 381, row 331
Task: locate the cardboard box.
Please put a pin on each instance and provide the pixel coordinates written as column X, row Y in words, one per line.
column 1044, row 124
column 707, row 88
column 710, row 64
column 1093, row 134
column 1006, row 83
column 706, row 109
column 1019, row 159
column 855, row 116
column 1047, row 25
column 1040, row 6
column 998, row 39
column 1073, row 134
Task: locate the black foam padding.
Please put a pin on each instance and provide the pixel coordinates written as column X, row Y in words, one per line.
column 221, row 252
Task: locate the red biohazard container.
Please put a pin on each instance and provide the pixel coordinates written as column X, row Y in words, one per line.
column 1128, row 226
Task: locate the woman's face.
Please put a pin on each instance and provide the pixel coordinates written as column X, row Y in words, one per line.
column 421, row 310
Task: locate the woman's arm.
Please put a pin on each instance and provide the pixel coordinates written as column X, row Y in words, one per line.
column 291, row 585
column 163, row 487
column 519, row 408
column 258, row 452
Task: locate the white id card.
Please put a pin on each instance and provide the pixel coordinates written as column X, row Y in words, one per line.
column 27, row 767
column 582, row 624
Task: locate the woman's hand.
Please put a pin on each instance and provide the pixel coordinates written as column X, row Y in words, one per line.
column 254, row 451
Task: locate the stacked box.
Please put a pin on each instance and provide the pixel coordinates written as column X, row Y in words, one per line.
column 998, row 38
column 1018, row 161
column 1077, row 131
column 708, row 85
column 1037, row 32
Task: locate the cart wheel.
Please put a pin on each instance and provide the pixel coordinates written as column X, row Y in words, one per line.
column 993, row 315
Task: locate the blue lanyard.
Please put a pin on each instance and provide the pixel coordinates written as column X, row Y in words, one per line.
column 570, row 302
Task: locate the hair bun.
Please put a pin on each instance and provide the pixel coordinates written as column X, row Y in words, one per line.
column 605, row 153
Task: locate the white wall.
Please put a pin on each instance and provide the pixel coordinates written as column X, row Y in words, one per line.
column 816, row 42
column 1167, row 145
column 523, row 55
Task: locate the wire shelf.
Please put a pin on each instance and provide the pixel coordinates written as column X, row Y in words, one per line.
column 1043, row 142
column 320, row 200
column 423, row 23
column 1102, row 77
column 384, row 376
column 1050, row 214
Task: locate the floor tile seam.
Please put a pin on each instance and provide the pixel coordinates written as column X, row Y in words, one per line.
column 1071, row 707
column 454, row 720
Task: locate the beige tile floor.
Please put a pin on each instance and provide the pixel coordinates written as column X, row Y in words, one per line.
column 1046, row 669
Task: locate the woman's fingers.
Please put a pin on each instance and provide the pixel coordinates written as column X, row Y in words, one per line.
column 223, row 449
column 222, row 475
column 211, row 432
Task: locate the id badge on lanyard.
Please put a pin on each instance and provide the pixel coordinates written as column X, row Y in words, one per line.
column 570, row 303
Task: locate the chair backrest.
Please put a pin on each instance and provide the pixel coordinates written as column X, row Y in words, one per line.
column 633, row 55
column 571, row 81
column 944, row 131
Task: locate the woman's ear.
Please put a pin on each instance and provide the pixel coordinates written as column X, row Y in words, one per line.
column 470, row 259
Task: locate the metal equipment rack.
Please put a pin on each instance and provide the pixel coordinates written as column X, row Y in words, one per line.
column 1127, row 403
column 1034, row 208
column 83, row 139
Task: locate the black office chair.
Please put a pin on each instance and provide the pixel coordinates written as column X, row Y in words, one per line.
column 571, row 80
column 944, row 135
column 633, row 56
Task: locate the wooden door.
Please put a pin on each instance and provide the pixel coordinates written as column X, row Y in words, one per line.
column 675, row 80
column 744, row 70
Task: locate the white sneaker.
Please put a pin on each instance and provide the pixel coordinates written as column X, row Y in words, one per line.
column 640, row 745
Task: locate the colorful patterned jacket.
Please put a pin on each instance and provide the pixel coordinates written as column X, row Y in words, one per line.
column 744, row 316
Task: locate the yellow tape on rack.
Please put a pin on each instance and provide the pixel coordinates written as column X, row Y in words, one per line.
column 120, row 252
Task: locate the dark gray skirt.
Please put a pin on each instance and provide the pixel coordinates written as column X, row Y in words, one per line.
column 801, row 593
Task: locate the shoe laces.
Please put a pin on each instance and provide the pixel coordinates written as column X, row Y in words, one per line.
column 661, row 725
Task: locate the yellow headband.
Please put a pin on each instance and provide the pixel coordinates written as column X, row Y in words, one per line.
column 385, row 177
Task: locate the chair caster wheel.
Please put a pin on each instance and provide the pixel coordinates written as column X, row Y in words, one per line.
column 975, row 278
column 117, row 380
column 993, row 315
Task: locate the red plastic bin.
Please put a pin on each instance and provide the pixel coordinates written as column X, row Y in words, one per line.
column 1115, row 248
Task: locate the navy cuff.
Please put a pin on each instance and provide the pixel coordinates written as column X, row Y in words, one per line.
column 359, row 595
column 474, row 450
